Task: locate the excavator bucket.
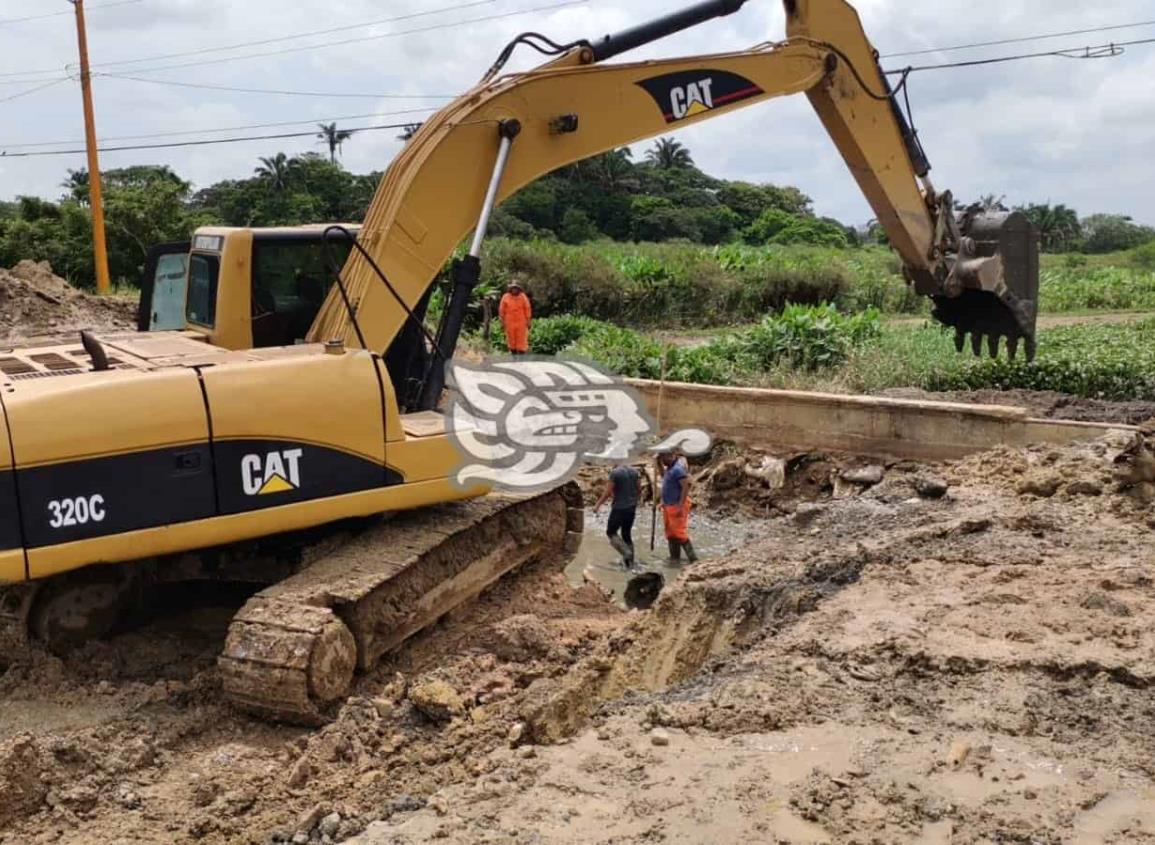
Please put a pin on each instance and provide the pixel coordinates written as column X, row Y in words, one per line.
column 992, row 293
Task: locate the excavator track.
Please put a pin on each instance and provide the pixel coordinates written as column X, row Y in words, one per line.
column 292, row 651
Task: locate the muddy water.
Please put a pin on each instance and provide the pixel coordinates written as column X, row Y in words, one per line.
column 597, row 561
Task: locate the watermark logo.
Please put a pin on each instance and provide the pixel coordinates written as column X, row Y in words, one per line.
column 531, row 423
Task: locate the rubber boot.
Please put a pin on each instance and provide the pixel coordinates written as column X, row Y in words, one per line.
column 630, row 557
column 675, row 549
column 691, row 555
column 621, row 548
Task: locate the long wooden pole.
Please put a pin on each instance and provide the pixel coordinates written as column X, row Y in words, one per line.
column 95, row 198
column 654, row 487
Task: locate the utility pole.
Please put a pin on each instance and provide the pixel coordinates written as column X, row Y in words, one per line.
column 95, row 199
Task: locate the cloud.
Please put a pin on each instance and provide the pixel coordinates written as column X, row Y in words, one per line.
column 1078, row 132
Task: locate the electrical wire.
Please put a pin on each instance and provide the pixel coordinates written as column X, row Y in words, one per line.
column 281, row 39
column 210, row 131
column 366, row 38
column 25, row 93
column 1021, row 40
column 204, row 143
column 278, row 92
column 1102, row 51
column 87, row 9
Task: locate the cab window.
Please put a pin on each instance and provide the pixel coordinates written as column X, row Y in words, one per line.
column 168, row 293
column 203, row 272
column 291, row 278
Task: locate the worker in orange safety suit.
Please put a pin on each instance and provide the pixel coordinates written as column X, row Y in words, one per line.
column 674, row 472
column 516, row 313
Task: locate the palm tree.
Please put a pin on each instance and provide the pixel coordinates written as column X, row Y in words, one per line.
column 275, row 171
column 669, row 154
column 1058, row 225
column 611, row 171
column 77, row 185
column 334, row 137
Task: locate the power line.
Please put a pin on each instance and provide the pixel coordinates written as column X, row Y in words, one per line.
column 91, row 8
column 25, row 93
column 1021, row 40
column 286, row 93
column 175, row 134
column 1102, row 51
column 366, row 38
column 305, row 47
column 203, row 143
column 283, row 38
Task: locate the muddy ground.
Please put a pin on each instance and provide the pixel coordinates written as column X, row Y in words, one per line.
column 962, row 653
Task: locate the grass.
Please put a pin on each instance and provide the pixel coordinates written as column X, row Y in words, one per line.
column 817, row 348
column 689, row 286
column 1103, row 361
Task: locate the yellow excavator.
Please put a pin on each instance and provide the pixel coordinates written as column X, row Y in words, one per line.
column 284, row 394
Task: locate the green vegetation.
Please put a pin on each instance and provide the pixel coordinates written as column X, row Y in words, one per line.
column 804, row 338
column 818, row 348
column 676, row 284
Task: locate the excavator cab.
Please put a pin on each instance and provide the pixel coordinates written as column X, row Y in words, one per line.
column 240, row 288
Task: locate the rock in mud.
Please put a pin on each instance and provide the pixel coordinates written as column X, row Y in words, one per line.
column 1041, row 484
column 300, row 773
column 931, row 487
column 806, row 513
column 1107, row 604
column 1085, row 487
column 866, row 476
column 436, row 700
column 959, row 752
column 328, row 826
column 521, row 638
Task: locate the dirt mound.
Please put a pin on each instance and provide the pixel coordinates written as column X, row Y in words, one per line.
column 34, row 301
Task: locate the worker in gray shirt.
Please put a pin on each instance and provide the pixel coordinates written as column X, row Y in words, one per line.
column 624, row 486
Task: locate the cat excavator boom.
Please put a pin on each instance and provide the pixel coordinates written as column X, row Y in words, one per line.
column 980, row 269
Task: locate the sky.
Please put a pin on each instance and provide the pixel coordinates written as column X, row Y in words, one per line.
column 1047, row 130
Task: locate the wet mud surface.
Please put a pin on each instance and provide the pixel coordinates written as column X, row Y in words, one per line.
column 959, row 653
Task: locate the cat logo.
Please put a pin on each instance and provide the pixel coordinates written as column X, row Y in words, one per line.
column 688, row 93
column 274, row 472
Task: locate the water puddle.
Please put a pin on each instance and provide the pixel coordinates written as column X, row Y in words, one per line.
column 597, row 561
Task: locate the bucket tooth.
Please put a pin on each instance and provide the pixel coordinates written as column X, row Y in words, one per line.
column 960, row 340
column 1031, row 349
column 993, row 287
column 1013, row 346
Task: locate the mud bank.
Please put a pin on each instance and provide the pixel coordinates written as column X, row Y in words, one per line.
column 891, row 668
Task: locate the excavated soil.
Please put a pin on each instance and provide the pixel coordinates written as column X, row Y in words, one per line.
column 962, row 653
column 34, row 301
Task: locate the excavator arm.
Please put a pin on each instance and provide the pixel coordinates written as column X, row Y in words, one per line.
column 511, row 129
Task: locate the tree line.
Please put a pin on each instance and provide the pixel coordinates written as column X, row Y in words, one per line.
column 663, row 196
